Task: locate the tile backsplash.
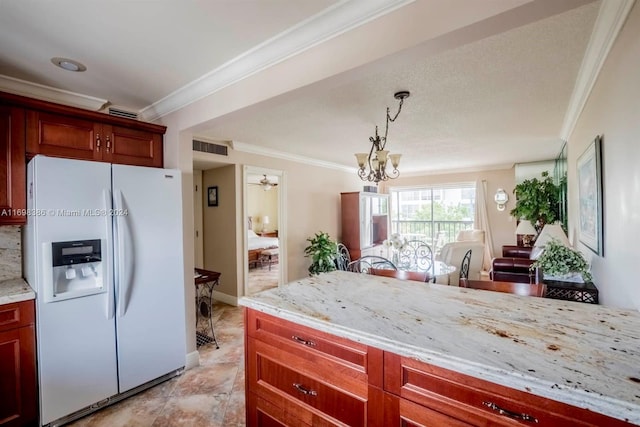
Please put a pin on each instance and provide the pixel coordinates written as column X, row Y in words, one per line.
column 10, row 252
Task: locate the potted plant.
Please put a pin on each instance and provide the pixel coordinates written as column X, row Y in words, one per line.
column 559, row 262
column 538, row 200
column 323, row 251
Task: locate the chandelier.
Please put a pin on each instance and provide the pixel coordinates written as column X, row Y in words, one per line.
column 372, row 166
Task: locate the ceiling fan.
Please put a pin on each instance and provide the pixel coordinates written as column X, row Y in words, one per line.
column 266, row 184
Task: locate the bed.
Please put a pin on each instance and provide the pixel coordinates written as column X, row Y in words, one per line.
column 256, row 244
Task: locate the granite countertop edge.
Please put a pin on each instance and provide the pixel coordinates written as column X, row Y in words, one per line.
column 15, row 290
column 615, row 408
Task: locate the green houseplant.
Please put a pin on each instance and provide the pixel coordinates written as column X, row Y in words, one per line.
column 562, row 263
column 538, row 200
column 323, row 251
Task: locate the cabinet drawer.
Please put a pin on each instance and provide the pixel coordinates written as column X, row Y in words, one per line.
column 401, row 412
column 279, row 382
column 17, row 314
column 262, row 413
column 479, row 402
column 280, row 332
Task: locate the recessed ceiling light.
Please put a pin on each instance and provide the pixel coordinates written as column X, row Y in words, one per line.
column 68, row 64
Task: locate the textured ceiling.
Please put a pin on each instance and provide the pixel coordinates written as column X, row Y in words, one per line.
column 136, row 52
column 491, row 98
column 495, row 101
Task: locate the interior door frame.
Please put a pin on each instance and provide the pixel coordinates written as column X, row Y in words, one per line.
column 282, row 221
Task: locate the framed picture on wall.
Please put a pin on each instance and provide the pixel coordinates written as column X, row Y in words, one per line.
column 212, row 196
column 589, row 168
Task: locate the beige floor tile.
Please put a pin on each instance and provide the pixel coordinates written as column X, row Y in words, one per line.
column 210, row 395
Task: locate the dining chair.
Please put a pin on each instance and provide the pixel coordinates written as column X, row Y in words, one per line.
column 343, row 258
column 464, row 266
column 517, row 288
column 364, row 264
column 415, row 255
column 418, row 276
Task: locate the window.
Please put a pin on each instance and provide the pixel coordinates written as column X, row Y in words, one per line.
column 434, row 214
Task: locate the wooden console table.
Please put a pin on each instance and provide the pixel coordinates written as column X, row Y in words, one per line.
column 205, row 281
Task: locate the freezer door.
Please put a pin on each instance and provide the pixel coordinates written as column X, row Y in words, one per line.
column 76, row 335
column 150, row 319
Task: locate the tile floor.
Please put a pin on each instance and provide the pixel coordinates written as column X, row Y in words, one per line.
column 211, row 395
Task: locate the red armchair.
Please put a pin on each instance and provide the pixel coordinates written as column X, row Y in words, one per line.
column 514, row 266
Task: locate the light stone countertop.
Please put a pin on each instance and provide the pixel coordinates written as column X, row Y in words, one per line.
column 15, row 290
column 581, row 354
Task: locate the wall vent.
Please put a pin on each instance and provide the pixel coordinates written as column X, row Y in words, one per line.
column 207, row 147
column 122, row 113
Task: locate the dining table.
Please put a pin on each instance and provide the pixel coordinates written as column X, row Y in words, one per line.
column 439, row 272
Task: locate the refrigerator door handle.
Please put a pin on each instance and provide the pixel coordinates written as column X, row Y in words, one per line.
column 106, row 196
column 124, row 270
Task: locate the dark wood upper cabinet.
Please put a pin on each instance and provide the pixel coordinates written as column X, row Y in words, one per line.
column 13, row 180
column 132, row 146
column 75, row 137
column 30, row 126
column 63, row 136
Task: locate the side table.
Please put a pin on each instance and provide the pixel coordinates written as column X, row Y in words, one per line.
column 269, row 256
column 569, row 291
column 205, row 281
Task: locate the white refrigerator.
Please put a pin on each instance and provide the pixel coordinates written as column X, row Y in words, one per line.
column 103, row 251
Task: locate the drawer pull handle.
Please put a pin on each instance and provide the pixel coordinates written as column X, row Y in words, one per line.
column 304, row 390
column 510, row 414
column 308, row 343
column 98, row 142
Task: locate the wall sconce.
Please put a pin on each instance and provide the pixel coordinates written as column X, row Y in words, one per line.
column 501, row 198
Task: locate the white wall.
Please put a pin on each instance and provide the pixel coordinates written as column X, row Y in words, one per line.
column 613, row 110
column 262, row 203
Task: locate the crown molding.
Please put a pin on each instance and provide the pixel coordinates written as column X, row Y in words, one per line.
column 611, row 18
column 254, row 149
column 414, row 173
column 47, row 93
column 331, row 22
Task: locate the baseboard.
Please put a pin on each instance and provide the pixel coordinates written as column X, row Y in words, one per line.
column 225, row 298
column 193, row 360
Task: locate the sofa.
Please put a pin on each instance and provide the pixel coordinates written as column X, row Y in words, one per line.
column 452, row 254
column 514, row 266
column 471, row 235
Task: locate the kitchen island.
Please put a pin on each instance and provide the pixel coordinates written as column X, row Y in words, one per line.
column 580, row 355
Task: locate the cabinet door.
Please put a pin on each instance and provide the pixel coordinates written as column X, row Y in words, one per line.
column 12, row 166
column 17, row 377
column 63, row 136
column 132, row 147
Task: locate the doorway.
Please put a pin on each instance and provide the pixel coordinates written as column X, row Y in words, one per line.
column 264, row 229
